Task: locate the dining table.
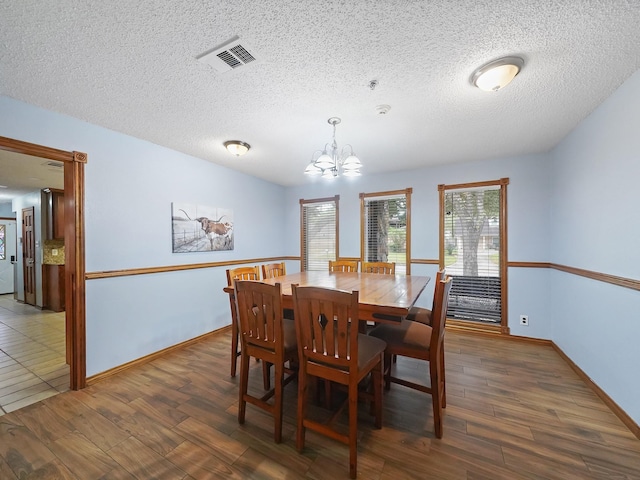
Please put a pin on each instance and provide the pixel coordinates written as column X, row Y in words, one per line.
column 382, row 298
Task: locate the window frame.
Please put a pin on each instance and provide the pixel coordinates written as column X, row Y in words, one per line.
column 503, row 267
column 390, row 193
column 336, row 200
column 3, row 241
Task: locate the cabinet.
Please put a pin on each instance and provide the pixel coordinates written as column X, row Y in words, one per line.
column 55, row 214
column 53, row 289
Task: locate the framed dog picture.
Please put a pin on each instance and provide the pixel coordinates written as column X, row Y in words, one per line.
column 198, row 228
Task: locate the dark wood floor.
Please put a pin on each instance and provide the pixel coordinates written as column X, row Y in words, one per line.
column 515, row 411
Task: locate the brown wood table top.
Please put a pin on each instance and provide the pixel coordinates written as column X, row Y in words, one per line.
column 383, row 298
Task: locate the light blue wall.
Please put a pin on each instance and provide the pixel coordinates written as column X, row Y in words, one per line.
column 6, row 210
column 130, row 185
column 528, row 223
column 595, row 225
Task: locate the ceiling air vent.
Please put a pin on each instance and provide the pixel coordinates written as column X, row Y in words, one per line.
column 230, row 55
column 57, row 167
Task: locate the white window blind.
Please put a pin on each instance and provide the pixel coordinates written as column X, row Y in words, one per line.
column 472, row 253
column 385, row 233
column 319, row 232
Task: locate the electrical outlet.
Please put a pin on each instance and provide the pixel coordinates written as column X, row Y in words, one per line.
column 524, row 320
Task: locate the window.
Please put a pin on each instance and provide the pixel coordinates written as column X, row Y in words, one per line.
column 472, row 240
column 385, row 228
column 318, row 232
column 3, row 252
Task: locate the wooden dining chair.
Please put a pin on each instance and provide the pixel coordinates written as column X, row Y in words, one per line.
column 331, row 348
column 421, row 314
column 387, row 268
column 233, row 274
column 272, row 270
column 265, row 335
column 423, row 342
column 343, row 265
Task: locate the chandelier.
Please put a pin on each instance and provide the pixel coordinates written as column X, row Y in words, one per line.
column 332, row 162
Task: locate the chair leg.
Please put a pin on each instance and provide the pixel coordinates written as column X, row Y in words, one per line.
column 377, row 391
column 234, row 344
column 386, row 369
column 442, row 379
column 436, row 395
column 277, row 406
column 266, row 374
column 353, row 430
column 244, row 385
column 302, row 402
column 327, row 394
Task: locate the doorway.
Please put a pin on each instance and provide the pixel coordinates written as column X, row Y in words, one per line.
column 473, row 239
column 74, row 245
column 7, row 256
column 29, row 255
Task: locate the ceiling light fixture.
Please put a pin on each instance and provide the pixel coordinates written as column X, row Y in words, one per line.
column 333, row 162
column 237, row 147
column 497, row 74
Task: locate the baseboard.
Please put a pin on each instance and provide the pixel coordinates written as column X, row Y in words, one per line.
column 142, row 360
column 615, row 408
column 476, row 327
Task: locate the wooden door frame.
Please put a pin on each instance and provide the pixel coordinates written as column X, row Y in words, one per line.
column 28, row 245
column 504, row 298
column 74, row 247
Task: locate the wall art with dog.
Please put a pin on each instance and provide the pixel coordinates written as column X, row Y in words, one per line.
column 198, row 228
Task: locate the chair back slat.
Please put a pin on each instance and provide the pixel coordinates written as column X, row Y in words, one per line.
column 385, row 268
column 319, row 321
column 259, row 308
column 323, row 321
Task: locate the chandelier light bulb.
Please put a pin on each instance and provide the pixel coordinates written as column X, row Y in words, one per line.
column 325, row 161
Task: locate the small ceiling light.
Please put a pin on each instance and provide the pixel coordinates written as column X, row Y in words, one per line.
column 495, row 75
column 237, row 147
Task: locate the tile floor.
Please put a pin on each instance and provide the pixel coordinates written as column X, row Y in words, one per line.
column 32, row 354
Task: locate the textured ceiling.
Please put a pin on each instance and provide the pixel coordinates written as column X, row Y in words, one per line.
column 131, row 67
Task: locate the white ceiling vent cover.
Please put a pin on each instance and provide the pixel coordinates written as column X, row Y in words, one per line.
column 230, row 55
